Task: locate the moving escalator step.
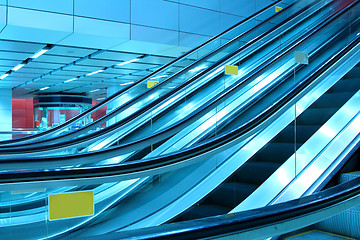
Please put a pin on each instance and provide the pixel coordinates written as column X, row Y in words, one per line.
column 256, row 172
column 303, row 133
column 346, row 85
column 276, row 152
column 230, row 194
column 202, row 211
column 354, row 73
column 336, row 100
column 315, row 116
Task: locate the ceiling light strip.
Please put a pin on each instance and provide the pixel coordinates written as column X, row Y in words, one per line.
column 92, row 73
column 96, row 90
column 127, row 62
column 39, row 53
column 17, row 67
column 4, row 76
column 70, row 80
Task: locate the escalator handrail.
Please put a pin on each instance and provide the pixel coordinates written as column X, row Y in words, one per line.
column 115, row 95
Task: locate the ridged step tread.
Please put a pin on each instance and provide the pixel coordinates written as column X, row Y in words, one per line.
column 336, row 100
column 346, row 85
column 255, row 172
column 303, row 133
column 202, row 211
column 316, row 116
column 230, row 194
column 276, row 152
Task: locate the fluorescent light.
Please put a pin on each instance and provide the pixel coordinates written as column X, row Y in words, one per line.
column 159, row 77
column 4, row 76
column 95, row 90
column 130, row 61
column 89, row 74
column 44, row 88
column 100, row 99
column 39, row 53
column 72, row 79
column 18, row 67
column 123, row 84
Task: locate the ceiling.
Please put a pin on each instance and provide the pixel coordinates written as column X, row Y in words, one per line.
column 67, row 69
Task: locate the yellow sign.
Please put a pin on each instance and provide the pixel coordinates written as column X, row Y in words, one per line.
column 232, row 70
column 278, row 9
column 150, row 84
column 69, row 205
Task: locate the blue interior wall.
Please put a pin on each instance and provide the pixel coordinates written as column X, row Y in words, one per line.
column 174, row 22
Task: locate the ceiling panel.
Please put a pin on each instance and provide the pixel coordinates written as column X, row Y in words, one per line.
column 156, row 60
column 38, row 71
column 17, row 46
column 69, row 74
column 55, row 59
column 4, row 69
column 50, row 66
column 13, row 78
column 8, row 63
column 83, row 68
column 52, row 77
column 24, row 75
column 99, row 62
column 117, row 56
column 75, row 52
column 119, row 71
column 17, row 56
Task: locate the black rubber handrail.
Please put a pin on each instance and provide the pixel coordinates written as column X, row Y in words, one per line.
column 177, row 157
column 109, row 99
column 246, row 221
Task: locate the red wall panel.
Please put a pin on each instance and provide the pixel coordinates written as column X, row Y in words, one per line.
column 22, row 113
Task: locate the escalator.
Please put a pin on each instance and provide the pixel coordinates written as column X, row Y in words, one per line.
column 231, row 138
